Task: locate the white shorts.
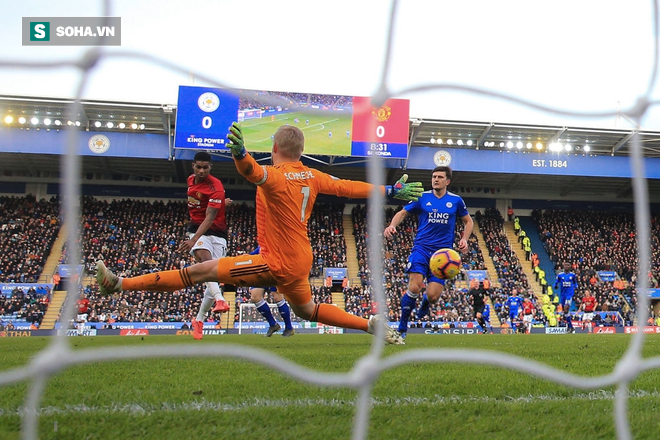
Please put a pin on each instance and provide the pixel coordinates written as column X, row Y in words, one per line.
column 217, row 246
column 527, row 319
column 82, row 317
column 588, row 316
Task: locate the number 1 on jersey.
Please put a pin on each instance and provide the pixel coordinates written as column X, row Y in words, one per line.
column 305, row 191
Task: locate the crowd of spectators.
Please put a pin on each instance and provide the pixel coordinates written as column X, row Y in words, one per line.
column 134, row 237
column 28, row 229
column 326, row 234
column 22, row 306
column 454, row 305
column 143, row 306
column 264, row 100
column 242, row 226
column 599, row 241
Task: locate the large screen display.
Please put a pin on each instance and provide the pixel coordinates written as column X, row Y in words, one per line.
column 334, row 125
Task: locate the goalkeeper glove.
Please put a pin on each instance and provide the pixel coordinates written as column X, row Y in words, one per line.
column 405, row 191
column 236, row 143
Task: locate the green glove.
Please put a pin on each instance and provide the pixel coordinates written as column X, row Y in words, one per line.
column 236, row 143
column 406, row 191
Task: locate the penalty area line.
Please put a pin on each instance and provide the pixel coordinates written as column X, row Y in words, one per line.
column 203, row 405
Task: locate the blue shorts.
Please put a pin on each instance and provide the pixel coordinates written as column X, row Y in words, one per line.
column 418, row 262
column 566, row 302
column 266, row 289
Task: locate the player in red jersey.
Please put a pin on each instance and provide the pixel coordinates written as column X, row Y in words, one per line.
column 286, row 192
column 528, row 309
column 589, row 304
column 207, row 232
column 83, row 314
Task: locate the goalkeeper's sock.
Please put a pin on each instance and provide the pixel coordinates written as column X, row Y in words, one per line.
column 424, row 307
column 285, row 313
column 408, row 303
column 166, row 281
column 333, row 315
column 263, row 308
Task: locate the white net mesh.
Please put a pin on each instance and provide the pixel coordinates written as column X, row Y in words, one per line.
column 59, row 354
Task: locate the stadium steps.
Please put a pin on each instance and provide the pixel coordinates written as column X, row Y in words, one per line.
column 492, row 274
column 527, row 224
column 351, row 250
column 520, row 253
column 338, row 300
column 494, row 319
column 488, row 262
column 53, row 259
column 53, row 311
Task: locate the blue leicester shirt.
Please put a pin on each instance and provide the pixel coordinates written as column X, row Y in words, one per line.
column 436, row 220
column 567, row 282
column 486, row 313
column 514, row 303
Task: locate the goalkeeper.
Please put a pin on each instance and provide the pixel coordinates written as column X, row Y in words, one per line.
column 286, row 192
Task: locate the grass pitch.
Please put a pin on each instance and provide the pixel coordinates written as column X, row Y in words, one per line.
column 231, row 399
column 258, row 132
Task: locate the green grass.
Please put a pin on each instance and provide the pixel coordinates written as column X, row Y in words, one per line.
column 230, row 399
column 258, row 132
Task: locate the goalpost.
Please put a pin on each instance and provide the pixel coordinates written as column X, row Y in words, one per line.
column 249, row 318
column 254, row 113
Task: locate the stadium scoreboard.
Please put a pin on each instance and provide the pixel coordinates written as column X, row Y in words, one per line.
column 203, row 117
column 334, row 125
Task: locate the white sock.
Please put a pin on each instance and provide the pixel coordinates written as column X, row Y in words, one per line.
column 207, row 302
column 216, row 291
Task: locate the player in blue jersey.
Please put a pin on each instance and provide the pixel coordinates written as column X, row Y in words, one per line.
column 514, row 302
column 566, row 282
column 437, row 211
column 486, row 316
column 257, row 297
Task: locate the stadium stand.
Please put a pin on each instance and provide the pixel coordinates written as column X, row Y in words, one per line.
column 131, row 236
column 453, row 308
column 599, row 241
column 28, row 229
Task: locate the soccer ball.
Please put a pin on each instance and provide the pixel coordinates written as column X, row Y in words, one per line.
column 445, row 263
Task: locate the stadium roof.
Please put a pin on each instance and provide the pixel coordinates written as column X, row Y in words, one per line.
column 160, row 118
